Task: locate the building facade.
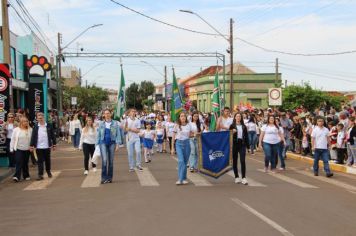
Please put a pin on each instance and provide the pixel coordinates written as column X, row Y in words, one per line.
column 71, row 76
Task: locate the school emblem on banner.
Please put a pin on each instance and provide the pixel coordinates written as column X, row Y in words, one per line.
column 215, row 158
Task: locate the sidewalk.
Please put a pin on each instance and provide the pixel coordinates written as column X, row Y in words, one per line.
column 333, row 166
column 4, row 173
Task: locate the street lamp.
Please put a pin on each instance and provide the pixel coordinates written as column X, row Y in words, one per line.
column 165, row 82
column 59, row 67
column 230, row 51
column 92, row 68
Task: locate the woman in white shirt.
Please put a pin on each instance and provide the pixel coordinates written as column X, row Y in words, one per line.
column 252, row 133
column 9, row 127
column 20, row 145
column 182, row 133
column 169, row 131
column 270, row 139
column 87, row 143
column 75, row 128
column 196, row 129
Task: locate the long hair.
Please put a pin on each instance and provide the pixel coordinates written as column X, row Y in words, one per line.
column 178, row 120
column 198, row 121
column 86, row 128
column 274, row 122
column 241, row 121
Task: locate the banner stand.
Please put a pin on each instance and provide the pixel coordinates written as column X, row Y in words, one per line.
column 5, row 76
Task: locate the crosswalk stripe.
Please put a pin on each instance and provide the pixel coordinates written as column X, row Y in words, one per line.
column 43, row 184
column 146, row 178
column 92, row 180
column 196, row 179
column 290, row 180
column 251, row 182
column 335, row 182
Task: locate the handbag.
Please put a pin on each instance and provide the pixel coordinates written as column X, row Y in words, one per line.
column 96, row 155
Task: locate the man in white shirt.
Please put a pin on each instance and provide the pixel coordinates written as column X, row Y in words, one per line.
column 132, row 127
column 224, row 121
column 320, row 140
column 43, row 140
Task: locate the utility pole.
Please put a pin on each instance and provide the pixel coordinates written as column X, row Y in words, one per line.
column 59, row 79
column 276, row 79
column 165, row 89
column 6, row 44
column 231, row 64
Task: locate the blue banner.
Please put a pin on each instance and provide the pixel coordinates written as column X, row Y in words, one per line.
column 215, row 153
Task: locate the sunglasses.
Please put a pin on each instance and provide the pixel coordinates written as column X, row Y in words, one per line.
column 10, row 117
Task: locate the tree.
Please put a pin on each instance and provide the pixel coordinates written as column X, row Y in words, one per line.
column 136, row 95
column 147, row 88
column 296, row 95
column 89, row 98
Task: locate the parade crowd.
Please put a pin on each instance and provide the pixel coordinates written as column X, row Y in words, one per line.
column 324, row 134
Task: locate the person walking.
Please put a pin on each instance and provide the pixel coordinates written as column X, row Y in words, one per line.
column 196, row 128
column 148, row 136
column 270, row 139
column 351, row 143
column 224, row 122
column 75, row 128
column 20, row 146
column 87, row 143
column 10, row 125
column 252, row 133
column 132, row 127
column 239, row 146
column 169, row 131
column 182, row 133
column 108, row 139
column 42, row 141
column 320, row 140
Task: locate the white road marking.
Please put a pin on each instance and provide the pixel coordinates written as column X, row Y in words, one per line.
column 264, row 218
column 251, row 182
column 92, row 180
column 196, row 178
column 146, row 178
column 43, row 184
column 290, row 180
column 335, row 182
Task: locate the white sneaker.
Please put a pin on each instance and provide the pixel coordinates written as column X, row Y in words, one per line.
column 94, row 169
column 185, row 182
column 86, row 172
column 15, row 179
column 238, row 180
column 28, row 178
column 244, row 181
column 179, row 183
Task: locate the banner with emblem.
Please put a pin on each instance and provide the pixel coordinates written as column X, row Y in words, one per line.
column 5, row 76
column 215, row 156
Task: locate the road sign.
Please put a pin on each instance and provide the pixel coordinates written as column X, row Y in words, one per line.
column 74, row 100
column 275, row 97
column 3, row 84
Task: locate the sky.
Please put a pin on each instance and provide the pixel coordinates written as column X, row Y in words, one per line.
column 295, row 26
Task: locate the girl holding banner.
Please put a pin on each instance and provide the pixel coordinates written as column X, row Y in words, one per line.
column 182, row 132
column 240, row 144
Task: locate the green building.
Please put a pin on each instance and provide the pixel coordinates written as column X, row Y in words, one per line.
column 249, row 87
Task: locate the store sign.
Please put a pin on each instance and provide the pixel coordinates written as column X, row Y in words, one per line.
column 275, row 97
column 5, row 76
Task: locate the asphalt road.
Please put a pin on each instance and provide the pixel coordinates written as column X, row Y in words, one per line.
column 149, row 203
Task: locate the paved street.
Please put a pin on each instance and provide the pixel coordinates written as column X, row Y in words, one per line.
column 149, row 202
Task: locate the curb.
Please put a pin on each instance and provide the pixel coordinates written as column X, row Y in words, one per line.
column 5, row 175
column 333, row 166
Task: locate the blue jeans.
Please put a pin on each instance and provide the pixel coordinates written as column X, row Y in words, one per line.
column 324, row 154
column 107, row 156
column 193, row 158
column 286, row 148
column 271, row 152
column 252, row 137
column 134, row 145
column 76, row 138
column 281, row 154
column 183, row 152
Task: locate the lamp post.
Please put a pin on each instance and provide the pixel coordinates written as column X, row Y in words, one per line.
column 230, row 51
column 92, row 68
column 59, row 58
column 165, row 82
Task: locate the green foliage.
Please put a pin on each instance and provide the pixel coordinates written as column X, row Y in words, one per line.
column 136, row 95
column 89, row 98
column 295, row 95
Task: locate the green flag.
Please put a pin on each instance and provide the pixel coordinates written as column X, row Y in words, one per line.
column 121, row 101
column 176, row 101
column 215, row 102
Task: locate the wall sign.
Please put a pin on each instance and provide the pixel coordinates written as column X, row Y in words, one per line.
column 5, row 76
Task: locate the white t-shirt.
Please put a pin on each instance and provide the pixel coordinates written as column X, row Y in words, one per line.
column 246, row 121
column 226, row 122
column 251, row 126
column 159, row 131
column 340, row 139
column 131, row 124
column 194, row 127
column 239, row 131
column 320, row 136
column 10, row 129
column 271, row 134
column 149, row 134
column 182, row 133
column 170, row 128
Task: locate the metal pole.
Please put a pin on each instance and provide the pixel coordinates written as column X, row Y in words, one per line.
column 276, row 79
column 165, row 89
column 231, row 64
column 224, row 80
column 59, row 81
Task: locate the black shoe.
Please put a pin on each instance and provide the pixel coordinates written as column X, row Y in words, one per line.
column 329, row 175
column 49, row 175
column 316, row 174
column 109, row 181
column 39, row 178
